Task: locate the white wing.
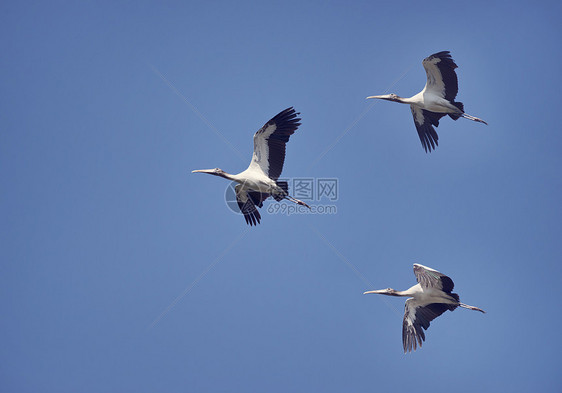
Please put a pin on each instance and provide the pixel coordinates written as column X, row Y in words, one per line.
column 430, row 278
column 417, row 318
column 441, row 76
column 270, row 141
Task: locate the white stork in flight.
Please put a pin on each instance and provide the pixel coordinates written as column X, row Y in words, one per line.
column 259, row 181
column 437, row 99
column 430, row 298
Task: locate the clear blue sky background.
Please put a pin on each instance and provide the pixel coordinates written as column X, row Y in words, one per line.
column 123, row 272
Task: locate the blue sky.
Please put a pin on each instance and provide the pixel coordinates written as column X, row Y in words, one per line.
column 123, row 271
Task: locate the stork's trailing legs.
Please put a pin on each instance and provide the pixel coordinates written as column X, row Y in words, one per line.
column 474, row 118
column 297, row 201
column 471, row 307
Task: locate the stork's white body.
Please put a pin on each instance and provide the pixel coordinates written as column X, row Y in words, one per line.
column 428, row 100
column 430, row 295
column 255, row 180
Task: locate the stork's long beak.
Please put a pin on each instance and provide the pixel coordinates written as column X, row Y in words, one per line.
column 379, row 291
column 383, row 97
column 202, row 171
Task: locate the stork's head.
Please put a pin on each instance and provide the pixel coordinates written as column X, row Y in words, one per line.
column 387, row 291
column 216, row 171
column 388, row 97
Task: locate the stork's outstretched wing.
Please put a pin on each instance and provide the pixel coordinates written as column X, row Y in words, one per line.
column 248, row 202
column 416, row 319
column 441, row 75
column 424, row 121
column 270, row 140
column 430, row 278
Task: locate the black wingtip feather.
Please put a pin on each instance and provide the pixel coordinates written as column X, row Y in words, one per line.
column 252, row 218
column 447, row 284
column 427, row 134
column 249, row 209
column 443, row 56
column 428, row 137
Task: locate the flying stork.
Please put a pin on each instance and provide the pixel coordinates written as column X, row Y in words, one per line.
column 259, row 181
column 430, row 298
column 437, row 99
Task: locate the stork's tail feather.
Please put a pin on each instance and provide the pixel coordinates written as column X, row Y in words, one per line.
column 285, row 187
column 456, row 116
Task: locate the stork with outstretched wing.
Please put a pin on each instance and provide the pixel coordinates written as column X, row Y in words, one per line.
column 429, row 298
column 259, row 181
column 437, row 99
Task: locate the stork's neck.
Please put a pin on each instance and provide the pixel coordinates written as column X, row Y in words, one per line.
column 229, row 176
column 394, row 292
column 410, row 292
column 403, row 100
column 239, row 178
